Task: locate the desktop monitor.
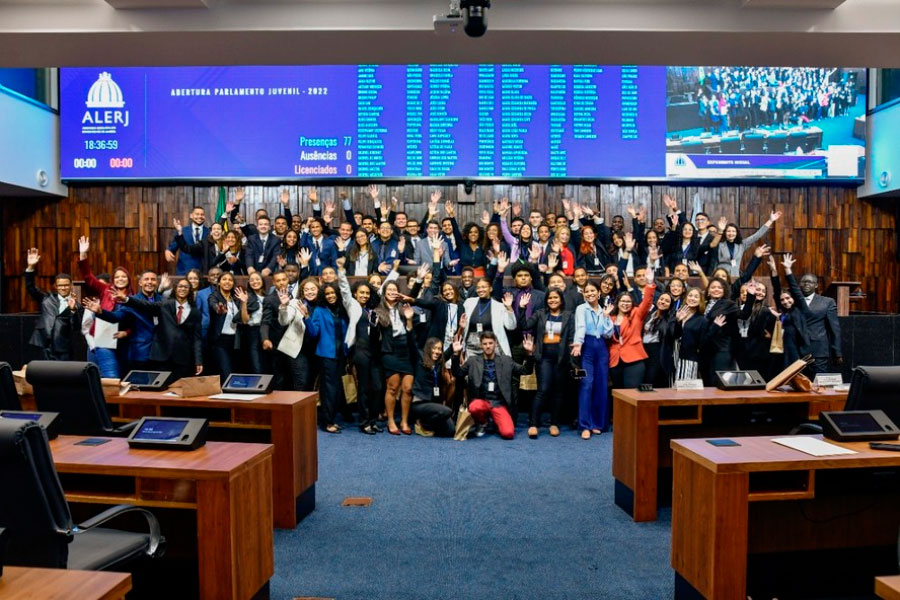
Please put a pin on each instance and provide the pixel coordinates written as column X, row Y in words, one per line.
column 875, row 388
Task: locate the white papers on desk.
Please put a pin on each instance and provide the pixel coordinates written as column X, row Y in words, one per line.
column 812, row 446
column 103, row 334
column 245, row 397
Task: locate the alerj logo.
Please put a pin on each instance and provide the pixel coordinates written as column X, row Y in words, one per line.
column 104, row 107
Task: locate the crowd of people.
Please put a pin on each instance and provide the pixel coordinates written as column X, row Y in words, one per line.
column 545, row 307
column 744, row 98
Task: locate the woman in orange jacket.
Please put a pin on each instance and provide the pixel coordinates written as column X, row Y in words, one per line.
column 626, row 350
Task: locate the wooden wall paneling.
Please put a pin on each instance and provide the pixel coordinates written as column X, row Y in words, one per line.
column 829, row 230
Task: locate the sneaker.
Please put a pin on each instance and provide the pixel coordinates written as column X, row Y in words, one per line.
column 422, row 431
column 480, row 430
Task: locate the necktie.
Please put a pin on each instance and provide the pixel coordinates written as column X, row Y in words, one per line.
column 196, row 234
column 178, row 314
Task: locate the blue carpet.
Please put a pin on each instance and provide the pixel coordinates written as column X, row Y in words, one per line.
column 477, row 519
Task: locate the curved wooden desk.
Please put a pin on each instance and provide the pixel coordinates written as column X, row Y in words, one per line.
column 645, row 422
column 226, row 487
column 28, row 583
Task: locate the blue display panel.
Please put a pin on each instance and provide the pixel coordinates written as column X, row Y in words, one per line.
column 439, row 121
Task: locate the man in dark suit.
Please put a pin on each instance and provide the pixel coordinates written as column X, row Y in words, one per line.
column 490, row 381
column 60, row 314
column 263, row 249
column 193, row 233
column 322, row 249
column 822, row 326
column 176, row 345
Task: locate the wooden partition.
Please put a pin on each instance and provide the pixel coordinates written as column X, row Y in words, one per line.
column 831, row 231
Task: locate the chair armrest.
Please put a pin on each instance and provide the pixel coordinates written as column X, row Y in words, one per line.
column 157, row 541
column 806, row 428
column 126, row 428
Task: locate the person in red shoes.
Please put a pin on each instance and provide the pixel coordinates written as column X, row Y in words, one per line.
column 489, row 377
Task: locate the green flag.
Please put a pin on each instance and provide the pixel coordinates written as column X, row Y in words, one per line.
column 220, row 207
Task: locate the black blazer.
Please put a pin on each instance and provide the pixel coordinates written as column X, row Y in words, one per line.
column 757, row 344
column 423, row 379
column 54, row 330
column 473, row 369
column 537, row 325
column 270, row 329
column 259, row 256
column 216, row 321
column 720, row 338
column 178, row 343
column 431, row 301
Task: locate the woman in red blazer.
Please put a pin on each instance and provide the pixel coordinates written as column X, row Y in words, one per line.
column 626, row 351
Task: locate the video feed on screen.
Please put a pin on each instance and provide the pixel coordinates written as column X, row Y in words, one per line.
column 804, row 122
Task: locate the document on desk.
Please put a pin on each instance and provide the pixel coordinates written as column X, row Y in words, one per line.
column 245, row 397
column 812, row 446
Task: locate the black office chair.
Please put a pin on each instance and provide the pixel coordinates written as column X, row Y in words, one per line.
column 875, row 388
column 35, row 514
column 9, row 397
column 73, row 390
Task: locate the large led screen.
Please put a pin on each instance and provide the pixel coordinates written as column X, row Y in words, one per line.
column 460, row 121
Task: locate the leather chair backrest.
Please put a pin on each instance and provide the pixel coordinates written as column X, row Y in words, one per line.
column 875, row 388
column 9, row 397
column 72, row 389
column 33, row 507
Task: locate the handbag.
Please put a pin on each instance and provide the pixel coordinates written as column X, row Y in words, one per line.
column 528, row 382
column 349, row 383
column 776, row 346
column 464, row 422
column 576, row 372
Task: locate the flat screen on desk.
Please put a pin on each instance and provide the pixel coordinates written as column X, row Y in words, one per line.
column 160, row 430
column 249, row 382
column 142, row 377
column 855, row 422
column 451, row 121
column 736, row 377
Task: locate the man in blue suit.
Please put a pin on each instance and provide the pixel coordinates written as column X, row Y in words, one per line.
column 193, row 234
column 323, row 249
column 822, row 326
column 262, row 249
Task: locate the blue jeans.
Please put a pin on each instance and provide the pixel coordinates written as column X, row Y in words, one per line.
column 105, row 359
column 593, row 394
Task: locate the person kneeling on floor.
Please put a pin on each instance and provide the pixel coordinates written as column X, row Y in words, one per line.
column 490, row 381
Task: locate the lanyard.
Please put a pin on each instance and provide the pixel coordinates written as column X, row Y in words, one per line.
column 730, row 246
column 483, row 309
column 434, row 374
column 451, row 317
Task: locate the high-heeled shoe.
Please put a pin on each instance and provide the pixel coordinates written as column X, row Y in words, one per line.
column 406, row 430
column 586, row 434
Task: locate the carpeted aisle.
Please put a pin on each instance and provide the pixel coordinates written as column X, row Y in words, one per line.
column 477, row 519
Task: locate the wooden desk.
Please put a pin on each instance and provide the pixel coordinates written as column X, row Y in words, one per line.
column 227, row 487
column 645, row 422
column 761, row 502
column 26, row 583
column 287, row 420
column 888, row 588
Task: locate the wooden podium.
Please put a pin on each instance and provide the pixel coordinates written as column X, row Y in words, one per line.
column 840, row 291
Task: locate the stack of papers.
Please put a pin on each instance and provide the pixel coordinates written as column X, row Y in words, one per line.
column 812, row 446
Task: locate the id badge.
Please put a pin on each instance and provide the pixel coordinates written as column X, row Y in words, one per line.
column 732, row 262
column 318, row 263
column 422, row 318
column 261, row 259
column 436, row 391
column 565, row 264
column 596, row 262
column 490, row 386
column 479, row 327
